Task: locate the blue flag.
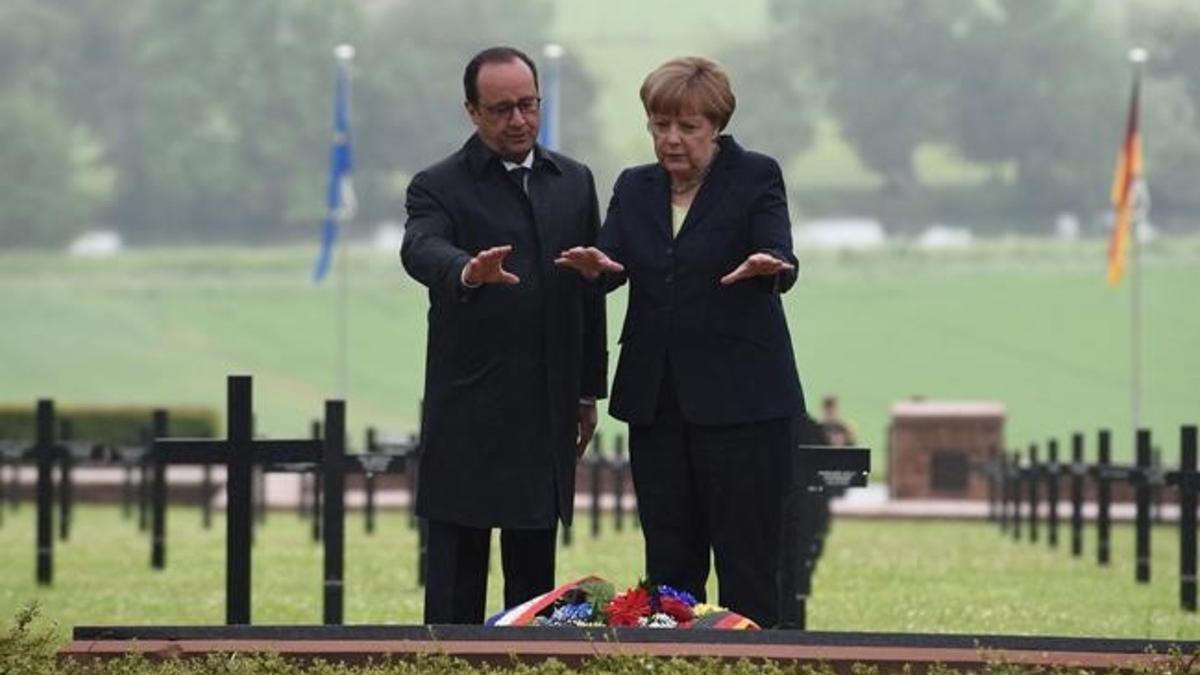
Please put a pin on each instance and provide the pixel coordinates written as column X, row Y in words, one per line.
column 548, row 132
column 340, row 201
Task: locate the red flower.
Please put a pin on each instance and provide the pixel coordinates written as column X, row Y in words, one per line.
column 628, row 607
column 676, row 608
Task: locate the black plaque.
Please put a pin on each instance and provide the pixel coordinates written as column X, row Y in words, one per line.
column 950, row 469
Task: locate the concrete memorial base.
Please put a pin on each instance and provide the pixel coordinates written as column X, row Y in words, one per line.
column 499, row 646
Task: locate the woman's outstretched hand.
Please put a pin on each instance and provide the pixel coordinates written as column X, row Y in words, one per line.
column 757, row 265
column 589, row 261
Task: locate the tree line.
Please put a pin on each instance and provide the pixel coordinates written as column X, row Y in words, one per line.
column 1036, row 90
column 181, row 121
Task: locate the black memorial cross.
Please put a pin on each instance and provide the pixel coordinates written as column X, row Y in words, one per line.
column 1187, row 481
column 1077, row 470
column 996, row 470
column 47, row 451
column 817, row 471
column 992, row 471
column 11, row 453
column 331, row 468
column 373, row 463
column 239, row 452
column 1144, row 476
column 13, row 459
column 1033, row 475
column 384, row 455
column 75, row 453
column 44, row 453
column 1017, row 474
column 1051, row 475
column 1102, row 473
column 1147, row 477
column 620, row 470
column 597, row 464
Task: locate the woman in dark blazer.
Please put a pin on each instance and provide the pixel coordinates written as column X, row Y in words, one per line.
column 706, row 379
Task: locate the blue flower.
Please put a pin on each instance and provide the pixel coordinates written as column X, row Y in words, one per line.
column 682, row 596
column 571, row 614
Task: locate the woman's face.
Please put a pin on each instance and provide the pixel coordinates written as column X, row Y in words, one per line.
column 683, row 143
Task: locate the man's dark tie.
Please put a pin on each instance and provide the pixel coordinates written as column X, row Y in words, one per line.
column 520, row 174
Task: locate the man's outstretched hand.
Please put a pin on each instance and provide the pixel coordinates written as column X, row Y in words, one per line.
column 589, row 261
column 487, row 267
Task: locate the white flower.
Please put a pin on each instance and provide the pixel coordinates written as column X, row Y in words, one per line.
column 661, row 620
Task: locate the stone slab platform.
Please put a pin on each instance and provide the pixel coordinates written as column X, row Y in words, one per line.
column 357, row 644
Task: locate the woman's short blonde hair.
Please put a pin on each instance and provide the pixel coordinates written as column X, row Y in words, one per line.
column 690, row 84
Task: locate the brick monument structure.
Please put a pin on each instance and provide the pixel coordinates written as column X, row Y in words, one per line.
column 934, row 448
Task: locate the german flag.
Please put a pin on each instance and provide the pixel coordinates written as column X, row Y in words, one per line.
column 1126, row 188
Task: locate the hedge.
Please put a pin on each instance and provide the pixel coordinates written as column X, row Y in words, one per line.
column 110, row 425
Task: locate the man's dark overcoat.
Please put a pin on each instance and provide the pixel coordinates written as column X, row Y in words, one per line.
column 505, row 365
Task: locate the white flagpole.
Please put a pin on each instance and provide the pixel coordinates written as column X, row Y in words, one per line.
column 551, row 95
column 344, row 54
column 1137, row 56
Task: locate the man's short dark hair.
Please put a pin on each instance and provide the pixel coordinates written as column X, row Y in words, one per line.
column 492, row 55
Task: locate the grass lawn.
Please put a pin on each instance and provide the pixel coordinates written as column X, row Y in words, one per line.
column 875, row 576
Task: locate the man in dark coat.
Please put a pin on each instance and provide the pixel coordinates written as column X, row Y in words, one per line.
column 516, row 353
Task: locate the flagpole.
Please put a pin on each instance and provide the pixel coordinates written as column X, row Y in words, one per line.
column 344, row 54
column 550, row 134
column 1137, row 57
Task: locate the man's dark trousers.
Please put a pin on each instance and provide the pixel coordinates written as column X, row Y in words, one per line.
column 457, row 569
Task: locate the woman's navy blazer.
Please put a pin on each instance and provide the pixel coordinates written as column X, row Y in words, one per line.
column 728, row 347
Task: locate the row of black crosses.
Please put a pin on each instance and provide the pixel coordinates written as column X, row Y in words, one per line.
column 1015, row 494
column 605, row 473
column 291, row 456
column 240, row 453
column 67, row 453
column 71, row 453
column 818, row 472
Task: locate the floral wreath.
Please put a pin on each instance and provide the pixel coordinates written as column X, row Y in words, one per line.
column 592, row 601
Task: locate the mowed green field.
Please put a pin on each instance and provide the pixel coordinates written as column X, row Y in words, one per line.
column 874, row 576
column 1030, row 324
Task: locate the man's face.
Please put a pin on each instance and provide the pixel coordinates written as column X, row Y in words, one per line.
column 506, row 117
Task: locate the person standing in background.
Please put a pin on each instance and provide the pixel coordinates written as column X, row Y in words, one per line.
column 837, row 430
